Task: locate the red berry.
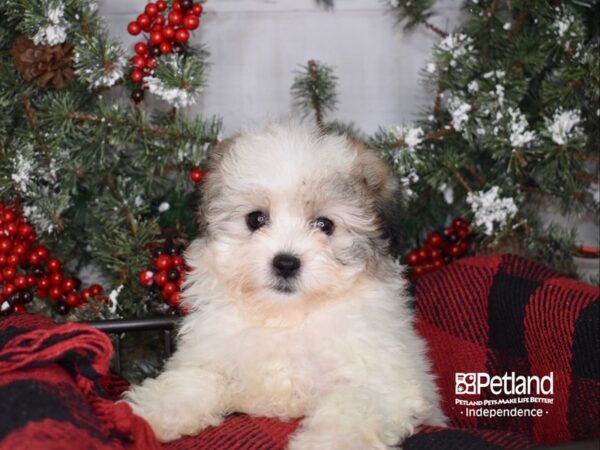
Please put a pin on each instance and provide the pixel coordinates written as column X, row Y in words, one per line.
column 72, row 299
column 459, row 223
column 30, row 280
column 161, row 278
column 134, row 28
column 13, row 260
column 86, row 295
column 8, row 273
column 19, row 308
column 69, row 284
column 8, row 215
column 40, row 293
column 156, row 37
column 20, row 282
column 178, row 261
column 168, row 32
column 174, row 300
column 146, row 277
column 438, row 263
column 176, row 5
column 182, row 35
column 435, row 239
column 435, row 253
column 53, row 264
column 5, row 245
column 418, row 271
column 161, row 5
column 96, row 290
column 141, row 48
column 165, row 48
column 25, row 230
column 138, row 61
column 168, row 290
column 175, row 18
column 8, row 289
column 197, row 9
column 160, row 20
column 20, row 250
column 150, row 62
column 43, row 283
column 151, row 9
column 423, row 254
column 163, row 262
column 56, row 278
column 33, row 259
column 144, row 20
column 55, row 293
column 451, row 236
column 42, row 252
column 186, row 4
column 197, row 175
column 413, row 258
column 463, row 232
column 137, row 76
column 157, row 27
column 2, row 259
column 454, row 251
column 11, row 228
column 191, row 22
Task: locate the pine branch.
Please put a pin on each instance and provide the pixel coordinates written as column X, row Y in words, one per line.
column 475, row 174
column 314, row 91
column 78, row 116
column 460, row 180
column 32, row 121
column 414, row 13
column 435, row 29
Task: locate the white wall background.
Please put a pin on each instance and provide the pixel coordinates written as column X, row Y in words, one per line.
column 257, row 45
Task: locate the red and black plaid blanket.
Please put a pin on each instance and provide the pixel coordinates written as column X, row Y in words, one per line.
column 492, row 315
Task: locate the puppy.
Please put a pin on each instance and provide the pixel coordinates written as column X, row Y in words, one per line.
column 297, row 308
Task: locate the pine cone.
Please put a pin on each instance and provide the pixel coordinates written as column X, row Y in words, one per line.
column 44, row 64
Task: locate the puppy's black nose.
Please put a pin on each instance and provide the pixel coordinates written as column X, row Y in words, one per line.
column 286, row 265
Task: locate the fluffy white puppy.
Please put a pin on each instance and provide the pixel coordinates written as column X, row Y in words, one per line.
column 297, row 308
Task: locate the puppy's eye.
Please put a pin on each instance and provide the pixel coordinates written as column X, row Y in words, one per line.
column 255, row 220
column 324, row 224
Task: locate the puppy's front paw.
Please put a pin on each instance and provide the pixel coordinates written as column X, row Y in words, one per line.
column 171, row 426
column 177, row 403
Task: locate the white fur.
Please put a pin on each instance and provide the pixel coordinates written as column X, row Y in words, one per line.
column 339, row 351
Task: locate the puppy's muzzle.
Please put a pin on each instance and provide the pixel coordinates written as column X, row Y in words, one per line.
column 286, row 265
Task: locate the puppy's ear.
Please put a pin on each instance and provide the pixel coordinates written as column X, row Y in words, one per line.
column 217, row 153
column 211, row 185
column 382, row 188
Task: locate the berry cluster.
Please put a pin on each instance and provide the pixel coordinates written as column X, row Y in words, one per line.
column 28, row 269
column 167, row 274
column 165, row 34
column 440, row 248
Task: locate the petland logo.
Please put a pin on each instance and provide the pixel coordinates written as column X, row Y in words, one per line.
column 508, row 384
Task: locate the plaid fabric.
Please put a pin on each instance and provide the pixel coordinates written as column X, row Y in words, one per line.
column 490, row 315
column 497, row 315
column 50, row 391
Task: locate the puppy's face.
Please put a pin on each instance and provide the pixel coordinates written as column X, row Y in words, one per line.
column 293, row 218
